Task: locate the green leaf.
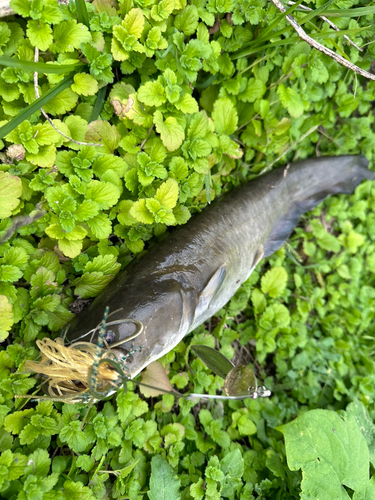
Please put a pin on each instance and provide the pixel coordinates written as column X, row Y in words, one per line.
column 134, row 22
column 85, row 462
column 187, row 21
column 290, row 99
column 75, row 490
column 70, row 248
column 103, row 132
column 91, row 284
column 167, row 194
column 105, row 264
column 152, row 94
column 364, row 422
column 181, row 214
column 84, row 84
column 40, row 34
column 124, row 216
column 329, row 242
column 178, row 168
column 105, row 194
column 100, row 226
column 74, row 436
column 255, row 90
column 42, row 283
column 331, row 451
column 187, row 104
column 107, row 162
column 367, row 492
column 164, row 483
column 10, row 273
column 171, row 132
column 213, row 359
column 162, row 10
column 57, row 232
column 233, row 464
column 10, row 192
column 16, row 256
column 40, row 462
column 69, row 36
column 141, row 213
column 6, row 317
column 225, row 117
column 86, row 210
column 129, row 404
column 65, row 101
column 274, row 281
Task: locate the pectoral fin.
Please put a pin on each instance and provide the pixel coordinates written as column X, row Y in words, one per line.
column 258, row 257
column 210, row 289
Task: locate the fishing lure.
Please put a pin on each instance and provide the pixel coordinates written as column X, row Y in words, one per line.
column 81, row 371
column 85, row 372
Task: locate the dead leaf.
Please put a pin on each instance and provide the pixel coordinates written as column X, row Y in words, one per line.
column 155, row 375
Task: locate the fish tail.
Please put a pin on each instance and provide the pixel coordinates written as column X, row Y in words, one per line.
column 307, row 184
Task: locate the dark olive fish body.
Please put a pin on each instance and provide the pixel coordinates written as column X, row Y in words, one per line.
column 186, row 278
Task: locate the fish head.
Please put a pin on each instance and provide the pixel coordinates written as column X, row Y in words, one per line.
column 162, row 313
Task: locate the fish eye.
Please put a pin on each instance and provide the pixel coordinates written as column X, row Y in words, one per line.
column 109, row 337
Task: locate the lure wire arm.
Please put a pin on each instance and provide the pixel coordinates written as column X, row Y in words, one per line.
column 261, row 392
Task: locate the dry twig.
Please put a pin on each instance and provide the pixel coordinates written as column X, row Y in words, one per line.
column 303, row 7
column 316, row 45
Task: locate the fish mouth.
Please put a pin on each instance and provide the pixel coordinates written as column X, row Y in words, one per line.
column 136, row 357
column 122, row 357
column 131, row 364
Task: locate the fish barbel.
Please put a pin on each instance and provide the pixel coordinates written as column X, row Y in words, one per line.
column 191, row 274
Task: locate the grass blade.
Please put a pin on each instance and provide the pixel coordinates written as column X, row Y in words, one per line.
column 98, row 106
column 207, row 184
column 361, row 11
column 39, row 67
column 316, row 12
column 83, row 16
column 304, row 20
column 284, row 30
column 295, row 39
column 279, row 18
column 353, row 31
column 32, row 108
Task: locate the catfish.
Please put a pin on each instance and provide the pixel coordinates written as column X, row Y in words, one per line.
column 191, row 274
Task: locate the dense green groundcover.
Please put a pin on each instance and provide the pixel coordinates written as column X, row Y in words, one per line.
column 187, row 100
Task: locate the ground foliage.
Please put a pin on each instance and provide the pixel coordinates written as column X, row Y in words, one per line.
column 193, row 105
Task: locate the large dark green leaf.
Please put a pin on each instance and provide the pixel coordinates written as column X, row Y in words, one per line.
column 213, row 359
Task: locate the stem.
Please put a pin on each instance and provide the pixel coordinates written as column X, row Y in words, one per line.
column 316, row 45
